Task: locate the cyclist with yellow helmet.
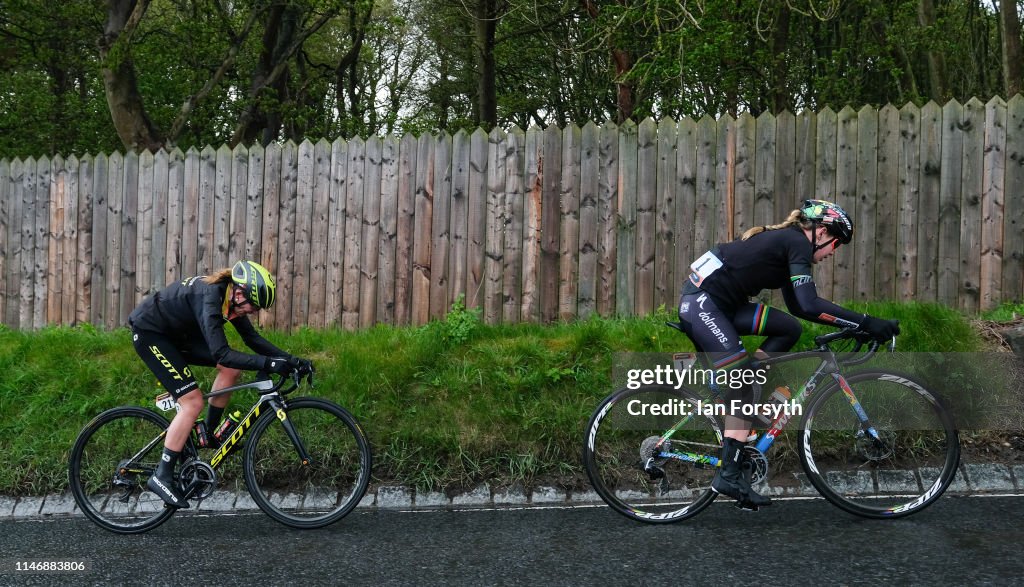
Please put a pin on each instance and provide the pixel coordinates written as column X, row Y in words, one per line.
column 182, row 325
column 715, row 308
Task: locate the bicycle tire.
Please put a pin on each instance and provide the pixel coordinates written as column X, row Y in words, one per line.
column 612, row 456
column 905, row 471
column 321, row 492
column 102, row 446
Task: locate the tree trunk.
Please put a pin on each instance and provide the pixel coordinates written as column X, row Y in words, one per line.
column 908, row 83
column 346, row 73
column 278, row 36
column 780, row 98
column 625, row 95
column 127, row 111
column 1013, row 70
column 487, row 93
column 938, row 87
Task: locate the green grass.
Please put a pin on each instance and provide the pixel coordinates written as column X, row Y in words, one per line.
column 1005, row 313
column 445, row 405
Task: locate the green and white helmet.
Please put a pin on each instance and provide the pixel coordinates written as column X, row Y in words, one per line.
column 256, row 282
column 831, row 216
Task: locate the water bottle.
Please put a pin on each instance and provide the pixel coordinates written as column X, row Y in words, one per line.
column 200, row 436
column 227, row 427
column 781, row 395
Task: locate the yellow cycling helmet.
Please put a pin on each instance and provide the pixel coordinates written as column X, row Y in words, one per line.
column 256, row 282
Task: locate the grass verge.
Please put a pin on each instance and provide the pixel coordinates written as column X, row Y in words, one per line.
column 445, row 405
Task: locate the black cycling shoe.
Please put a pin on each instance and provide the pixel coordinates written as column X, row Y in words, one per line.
column 167, row 490
column 731, row 480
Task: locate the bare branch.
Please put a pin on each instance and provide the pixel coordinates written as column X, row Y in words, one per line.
column 229, row 60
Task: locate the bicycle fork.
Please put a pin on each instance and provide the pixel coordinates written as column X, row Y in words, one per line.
column 866, row 427
column 279, row 407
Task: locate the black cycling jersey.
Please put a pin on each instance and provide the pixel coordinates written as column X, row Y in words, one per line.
column 192, row 310
column 733, row 272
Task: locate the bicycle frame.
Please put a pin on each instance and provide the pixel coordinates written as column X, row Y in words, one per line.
column 271, row 396
column 830, row 366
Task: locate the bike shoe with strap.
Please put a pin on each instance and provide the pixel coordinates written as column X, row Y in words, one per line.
column 164, row 486
column 731, row 479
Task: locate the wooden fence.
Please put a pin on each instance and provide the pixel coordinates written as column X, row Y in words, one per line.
column 539, row 225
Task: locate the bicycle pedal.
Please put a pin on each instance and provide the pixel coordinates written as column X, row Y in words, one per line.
column 746, row 507
column 654, row 472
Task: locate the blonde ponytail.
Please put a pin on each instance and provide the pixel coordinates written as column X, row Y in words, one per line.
column 219, row 276
column 794, row 219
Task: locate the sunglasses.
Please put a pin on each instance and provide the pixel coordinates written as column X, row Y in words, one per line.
column 247, row 302
column 834, row 244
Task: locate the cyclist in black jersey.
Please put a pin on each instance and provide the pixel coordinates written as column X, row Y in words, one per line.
column 715, row 309
column 182, row 325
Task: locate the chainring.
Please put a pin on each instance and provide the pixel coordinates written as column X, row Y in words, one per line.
column 758, row 464
column 200, row 476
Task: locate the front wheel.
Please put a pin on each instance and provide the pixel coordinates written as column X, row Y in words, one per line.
column 317, row 492
column 898, row 465
column 651, row 453
column 112, row 459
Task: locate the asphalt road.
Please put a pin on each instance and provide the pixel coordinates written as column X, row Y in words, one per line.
column 957, row 541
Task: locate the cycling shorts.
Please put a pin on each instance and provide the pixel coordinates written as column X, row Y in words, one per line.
column 170, row 361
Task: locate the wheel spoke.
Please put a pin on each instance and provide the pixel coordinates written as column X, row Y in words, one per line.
column 640, row 473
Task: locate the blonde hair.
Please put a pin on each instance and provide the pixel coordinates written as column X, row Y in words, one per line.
column 219, row 276
column 795, row 218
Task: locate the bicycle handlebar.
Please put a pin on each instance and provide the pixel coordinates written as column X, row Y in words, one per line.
column 861, row 337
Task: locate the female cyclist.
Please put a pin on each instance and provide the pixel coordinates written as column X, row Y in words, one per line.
column 182, row 325
column 715, row 309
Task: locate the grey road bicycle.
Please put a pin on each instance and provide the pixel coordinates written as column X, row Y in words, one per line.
column 875, row 443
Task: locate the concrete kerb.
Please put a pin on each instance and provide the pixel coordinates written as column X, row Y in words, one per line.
column 975, row 478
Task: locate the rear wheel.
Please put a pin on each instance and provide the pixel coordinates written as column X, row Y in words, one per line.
column 318, row 492
column 111, row 460
column 900, row 467
column 636, row 470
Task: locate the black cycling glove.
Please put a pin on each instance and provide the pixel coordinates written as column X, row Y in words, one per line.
column 879, row 328
column 278, row 365
column 301, row 365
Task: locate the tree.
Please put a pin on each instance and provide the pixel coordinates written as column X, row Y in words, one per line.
column 1013, row 68
column 195, row 72
column 127, row 109
column 938, row 88
column 622, row 58
column 289, row 25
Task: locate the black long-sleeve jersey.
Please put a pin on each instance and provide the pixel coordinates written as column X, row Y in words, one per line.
column 192, row 310
column 774, row 259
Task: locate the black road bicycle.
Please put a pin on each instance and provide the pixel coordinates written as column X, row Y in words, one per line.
column 874, row 443
column 306, row 461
